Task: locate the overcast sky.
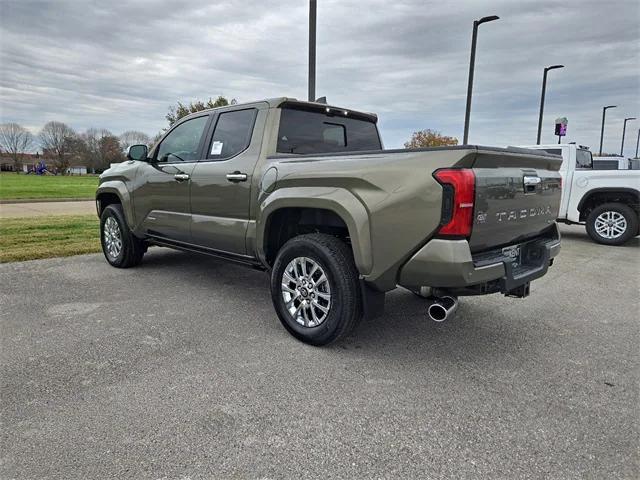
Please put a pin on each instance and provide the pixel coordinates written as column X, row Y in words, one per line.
column 120, row 65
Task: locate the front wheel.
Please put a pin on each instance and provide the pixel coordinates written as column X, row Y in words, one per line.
column 612, row 224
column 315, row 289
column 121, row 248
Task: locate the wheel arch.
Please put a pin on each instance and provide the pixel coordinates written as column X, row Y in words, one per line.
column 112, row 192
column 330, row 209
column 598, row 196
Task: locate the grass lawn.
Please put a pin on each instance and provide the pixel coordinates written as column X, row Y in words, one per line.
column 44, row 237
column 15, row 186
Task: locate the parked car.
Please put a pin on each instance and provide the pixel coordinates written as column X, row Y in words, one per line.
column 306, row 192
column 606, row 201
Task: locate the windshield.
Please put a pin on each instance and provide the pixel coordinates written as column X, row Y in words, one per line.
column 584, row 159
column 307, row 132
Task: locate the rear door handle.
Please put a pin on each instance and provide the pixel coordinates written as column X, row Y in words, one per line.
column 181, row 176
column 237, row 177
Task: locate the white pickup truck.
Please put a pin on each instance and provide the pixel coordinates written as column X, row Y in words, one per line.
column 606, row 201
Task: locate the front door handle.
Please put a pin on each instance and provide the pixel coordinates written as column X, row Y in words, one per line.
column 237, row 177
column 181, row 176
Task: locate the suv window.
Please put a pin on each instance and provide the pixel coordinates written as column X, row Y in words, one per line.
column 303, row 131
column 232, row 134
column 584, row 159
column 181, row 145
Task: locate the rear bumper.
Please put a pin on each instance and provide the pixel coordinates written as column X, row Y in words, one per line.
column 449, row 264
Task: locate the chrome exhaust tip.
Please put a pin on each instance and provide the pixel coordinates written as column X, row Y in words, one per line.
column 442, row 308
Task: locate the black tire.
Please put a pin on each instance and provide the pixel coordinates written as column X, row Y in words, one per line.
column 132, row 249
column 626, row 211
column 335, row 258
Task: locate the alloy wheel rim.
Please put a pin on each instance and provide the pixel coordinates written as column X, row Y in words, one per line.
column 112, row 237
column 306, row 292
column 610, row 225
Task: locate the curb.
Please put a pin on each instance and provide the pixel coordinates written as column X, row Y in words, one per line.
column 44, row 200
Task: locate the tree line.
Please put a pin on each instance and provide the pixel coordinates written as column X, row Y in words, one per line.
column 98, row 148
column 94, row 148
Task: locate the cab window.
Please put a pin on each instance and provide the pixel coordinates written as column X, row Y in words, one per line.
column 181, row 144
column 312, row 132
column 232, row 134
column 584, row 159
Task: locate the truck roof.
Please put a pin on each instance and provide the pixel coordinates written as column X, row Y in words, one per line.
column 558, row 145
column 294, row 102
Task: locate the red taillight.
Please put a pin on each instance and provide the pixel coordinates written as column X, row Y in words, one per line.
column 459, row 217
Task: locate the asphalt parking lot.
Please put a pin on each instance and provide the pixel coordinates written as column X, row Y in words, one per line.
column 179, row 369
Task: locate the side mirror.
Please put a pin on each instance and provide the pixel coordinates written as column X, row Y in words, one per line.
column 137, row 152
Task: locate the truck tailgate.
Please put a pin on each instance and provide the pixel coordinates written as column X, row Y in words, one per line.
column 517, row 196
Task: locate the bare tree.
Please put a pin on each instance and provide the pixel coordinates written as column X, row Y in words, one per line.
column 16, row 141
column 56, row 139
column 133, row 137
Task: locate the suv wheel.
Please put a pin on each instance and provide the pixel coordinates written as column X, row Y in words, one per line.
column 120, row 247
column 612, row 223
column 315, row 289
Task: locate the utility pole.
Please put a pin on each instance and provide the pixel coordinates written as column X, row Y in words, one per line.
column 544, row 89
column 313, row 7
column 472, row 64
column 624, row 130
column 604, row 112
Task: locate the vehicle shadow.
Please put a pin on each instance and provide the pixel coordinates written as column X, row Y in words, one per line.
column 579, row 234
column 480, row 329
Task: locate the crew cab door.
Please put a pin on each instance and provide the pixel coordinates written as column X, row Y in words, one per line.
column 221, row 183
column 161, row 193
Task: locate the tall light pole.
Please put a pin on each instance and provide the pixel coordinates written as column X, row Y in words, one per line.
column 472, row 62
column 624, row 130
column 604, row 112
column 313, row 7
column 544, row 89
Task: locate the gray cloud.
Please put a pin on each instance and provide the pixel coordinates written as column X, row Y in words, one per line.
column 120, row 65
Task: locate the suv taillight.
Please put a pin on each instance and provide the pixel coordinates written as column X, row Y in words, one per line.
column 458, row 190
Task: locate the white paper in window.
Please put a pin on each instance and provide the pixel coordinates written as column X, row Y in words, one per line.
column 216, row 148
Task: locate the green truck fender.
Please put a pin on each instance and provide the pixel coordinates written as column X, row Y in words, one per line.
column 338, row 200
column 105, row 196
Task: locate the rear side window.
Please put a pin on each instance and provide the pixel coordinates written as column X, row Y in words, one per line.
column 305, row 132
column 584, row 159
column 232, row 134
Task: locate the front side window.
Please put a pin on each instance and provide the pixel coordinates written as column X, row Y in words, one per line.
column 309, row 132
column 181, row 144
column 232, row 134
column 584, row 159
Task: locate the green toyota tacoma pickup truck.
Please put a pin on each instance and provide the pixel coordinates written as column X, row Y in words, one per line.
column 306, row 192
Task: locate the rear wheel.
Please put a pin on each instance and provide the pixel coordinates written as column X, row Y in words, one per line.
column 315, row 290
column 121, row 248
column 612, row 223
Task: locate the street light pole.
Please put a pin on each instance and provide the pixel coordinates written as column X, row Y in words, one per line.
column 544, row 89
column 313, row 6
column 604, row 112
column 624, row 130
column 472, row 62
